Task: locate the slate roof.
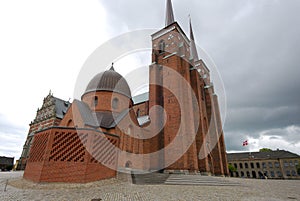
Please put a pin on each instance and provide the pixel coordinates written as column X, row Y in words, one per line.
column 143, row 120
column 278, row 154
column 86, row 114
column 109, row 80
column 107, row 119
column 141, row 98
column 61, row 107
column 104, row 119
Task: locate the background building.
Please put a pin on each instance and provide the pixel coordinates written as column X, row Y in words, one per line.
column 50, row 114
column 277, row 164
column 6, row 163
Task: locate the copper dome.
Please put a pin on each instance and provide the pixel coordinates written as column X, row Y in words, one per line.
column 109, row 80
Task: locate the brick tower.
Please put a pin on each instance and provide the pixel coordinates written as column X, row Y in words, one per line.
column 191, row 111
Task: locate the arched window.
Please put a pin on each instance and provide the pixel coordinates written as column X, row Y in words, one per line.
column 253, row 174
column 115, row 103
column 130, row 139
column 95, row 101
column 279, row 174
column 69, row 123
column 162, row 46
column 128, row 164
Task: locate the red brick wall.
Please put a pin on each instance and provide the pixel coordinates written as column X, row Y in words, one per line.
column 142, row 107
column 67, row 155
column 72, row 118
column 105, row 99
column 176, row 114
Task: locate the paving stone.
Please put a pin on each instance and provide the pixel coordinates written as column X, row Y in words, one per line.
column 113, row 189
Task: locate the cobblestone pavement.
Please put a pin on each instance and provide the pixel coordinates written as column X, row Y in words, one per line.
column 112, row 189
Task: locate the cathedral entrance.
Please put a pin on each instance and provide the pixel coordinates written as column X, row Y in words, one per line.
column 128, row 164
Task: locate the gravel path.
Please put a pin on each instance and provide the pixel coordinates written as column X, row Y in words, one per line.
column 112, row 189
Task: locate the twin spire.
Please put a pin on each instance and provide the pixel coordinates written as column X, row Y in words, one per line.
column 169, row 14
column 194, row 53
column 170, row 20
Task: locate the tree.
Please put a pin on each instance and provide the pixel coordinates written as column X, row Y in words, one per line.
column 231, row 168
column 265, row 150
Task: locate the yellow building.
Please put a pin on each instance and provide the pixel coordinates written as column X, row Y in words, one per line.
column 279, row 164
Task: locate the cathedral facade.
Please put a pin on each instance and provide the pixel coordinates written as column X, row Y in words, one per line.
column 169, row 129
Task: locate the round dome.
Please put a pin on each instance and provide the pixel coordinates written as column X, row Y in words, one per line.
column 109, row 80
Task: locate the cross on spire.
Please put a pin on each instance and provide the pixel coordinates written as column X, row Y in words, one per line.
column 169, row 13
column 112, row 67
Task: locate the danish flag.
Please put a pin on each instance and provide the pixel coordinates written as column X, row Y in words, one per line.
column 245, row 143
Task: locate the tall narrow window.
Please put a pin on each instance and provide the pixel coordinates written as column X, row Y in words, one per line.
column 138, row 113
column 95, row 101
column 162, row 46
column 270, row 165
column 203, row 93
column 115, row 103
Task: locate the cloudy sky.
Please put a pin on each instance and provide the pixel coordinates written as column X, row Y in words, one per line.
column 255, row 45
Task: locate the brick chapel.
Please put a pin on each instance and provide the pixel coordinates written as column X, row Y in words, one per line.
column 108, row 130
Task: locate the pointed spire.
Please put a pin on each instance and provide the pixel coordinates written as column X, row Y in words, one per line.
column 112, row 67
column 194, row 53
column 169, row 13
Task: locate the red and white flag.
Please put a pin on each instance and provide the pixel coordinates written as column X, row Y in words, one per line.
column 245, row 143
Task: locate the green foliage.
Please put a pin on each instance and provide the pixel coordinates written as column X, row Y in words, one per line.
column 265, row 150
column 231, row 168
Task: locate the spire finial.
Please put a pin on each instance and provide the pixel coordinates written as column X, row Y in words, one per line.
column 169, row 13
column 112, row 67
column 194, row 53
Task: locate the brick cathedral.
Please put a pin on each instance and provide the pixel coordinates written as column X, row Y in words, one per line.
column 109, row 131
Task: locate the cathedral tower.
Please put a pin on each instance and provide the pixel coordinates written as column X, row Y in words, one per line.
column 170, row 60
column 190, row 112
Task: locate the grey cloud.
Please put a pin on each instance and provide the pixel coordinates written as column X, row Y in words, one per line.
column 7, row 126
column 290, row 134
column 234, row 141
column 12, row 137
column 255, row 45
